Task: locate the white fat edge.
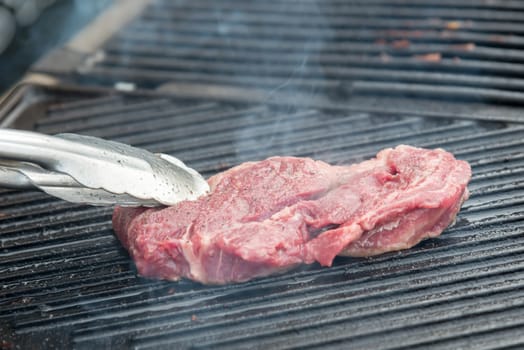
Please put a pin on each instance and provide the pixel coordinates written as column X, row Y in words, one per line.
column 196, row 269
column 387, row 226
column 390, row 225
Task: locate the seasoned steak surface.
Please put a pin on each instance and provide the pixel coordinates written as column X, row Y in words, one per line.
column 266, row 217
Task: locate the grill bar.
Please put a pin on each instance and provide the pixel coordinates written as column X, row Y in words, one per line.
column 385, row 10
column 282, row 30
column 464, row 50
column 144, row 51
column 347, row 21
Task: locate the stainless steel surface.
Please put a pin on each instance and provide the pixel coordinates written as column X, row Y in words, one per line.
column 86, row 169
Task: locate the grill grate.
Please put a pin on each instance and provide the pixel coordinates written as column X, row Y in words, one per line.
column 66, row 279
column 339, row 50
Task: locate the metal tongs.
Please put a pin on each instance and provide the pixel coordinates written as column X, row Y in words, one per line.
column 90, row 170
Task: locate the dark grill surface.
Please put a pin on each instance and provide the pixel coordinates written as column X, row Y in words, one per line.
column 223, row 82
column 335, row 49
column 66, row 281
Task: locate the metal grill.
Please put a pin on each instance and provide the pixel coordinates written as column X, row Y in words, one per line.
column 457, row 51
column 223, row 82
column 66, row 281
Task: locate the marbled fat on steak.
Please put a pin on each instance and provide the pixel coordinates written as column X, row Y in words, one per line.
column 267, row 217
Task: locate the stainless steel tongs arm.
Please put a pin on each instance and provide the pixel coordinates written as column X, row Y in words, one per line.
column 90, row 170
column 22, row 175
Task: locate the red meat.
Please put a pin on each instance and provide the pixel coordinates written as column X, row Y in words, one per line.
column 267, row 217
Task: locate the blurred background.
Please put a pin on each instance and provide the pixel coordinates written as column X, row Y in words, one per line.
column 30, row 28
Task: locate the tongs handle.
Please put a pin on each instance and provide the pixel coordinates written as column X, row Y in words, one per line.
column 51, row 151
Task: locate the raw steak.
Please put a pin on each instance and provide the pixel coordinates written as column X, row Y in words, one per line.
column 266, row 217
